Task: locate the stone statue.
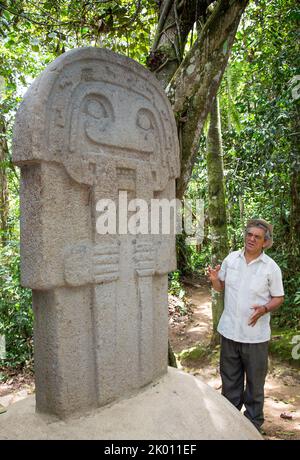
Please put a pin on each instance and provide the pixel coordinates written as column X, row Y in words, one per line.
column 93, row 125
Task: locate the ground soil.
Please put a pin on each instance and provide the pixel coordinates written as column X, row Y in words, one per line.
column 282, row 389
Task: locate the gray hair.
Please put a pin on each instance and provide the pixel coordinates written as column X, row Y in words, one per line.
column 263, row 227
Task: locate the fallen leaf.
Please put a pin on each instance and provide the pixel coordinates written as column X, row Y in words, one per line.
column 286, row 415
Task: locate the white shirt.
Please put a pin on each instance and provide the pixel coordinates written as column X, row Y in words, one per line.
column 247, row 285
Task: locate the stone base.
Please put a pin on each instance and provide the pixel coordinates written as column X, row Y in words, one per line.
column 178, row 407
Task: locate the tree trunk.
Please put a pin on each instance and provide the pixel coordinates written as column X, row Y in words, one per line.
column 295, row 188
column 216, row 207
column 4, row 203
column 295, row 210
column 193, row 81
column 196, row 81
column 176, row 20
column 171, row 357
column 175, row 23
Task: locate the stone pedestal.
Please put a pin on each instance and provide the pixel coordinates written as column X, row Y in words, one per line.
column 177, row 407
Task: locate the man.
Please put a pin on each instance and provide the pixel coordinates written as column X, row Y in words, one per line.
column 253, row 289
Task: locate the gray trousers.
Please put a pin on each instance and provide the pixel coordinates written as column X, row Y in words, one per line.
column 237, row 361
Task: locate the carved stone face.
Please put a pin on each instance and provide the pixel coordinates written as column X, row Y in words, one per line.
column 90, row 110
column 114, row 120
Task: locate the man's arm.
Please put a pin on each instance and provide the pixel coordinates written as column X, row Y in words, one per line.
column 260, row 310
column 217, row 284
column 274, row 303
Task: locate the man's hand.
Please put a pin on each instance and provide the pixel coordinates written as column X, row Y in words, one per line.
column 212, row 273
column 259, row 311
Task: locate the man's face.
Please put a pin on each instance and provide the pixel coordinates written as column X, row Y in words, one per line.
column 255, row 240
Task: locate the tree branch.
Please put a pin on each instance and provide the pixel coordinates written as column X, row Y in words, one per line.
column 179, row 21
column 195, row 84
column 161, row 22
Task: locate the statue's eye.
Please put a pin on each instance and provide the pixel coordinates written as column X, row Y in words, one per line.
column 144, row 119
column 96, row 109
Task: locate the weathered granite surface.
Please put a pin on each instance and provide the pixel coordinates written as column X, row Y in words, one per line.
column 92, row 125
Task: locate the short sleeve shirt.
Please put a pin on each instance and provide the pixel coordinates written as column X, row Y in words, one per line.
column 247, row 285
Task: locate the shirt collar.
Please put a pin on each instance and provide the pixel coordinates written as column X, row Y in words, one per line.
column 262, row 256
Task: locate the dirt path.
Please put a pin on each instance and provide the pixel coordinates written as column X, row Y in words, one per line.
column 282, row 389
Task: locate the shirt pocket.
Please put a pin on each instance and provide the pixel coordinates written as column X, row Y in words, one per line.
column 260, row 283
column 232, row 276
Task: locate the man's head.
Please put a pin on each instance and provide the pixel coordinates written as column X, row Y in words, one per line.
column 258, row 235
